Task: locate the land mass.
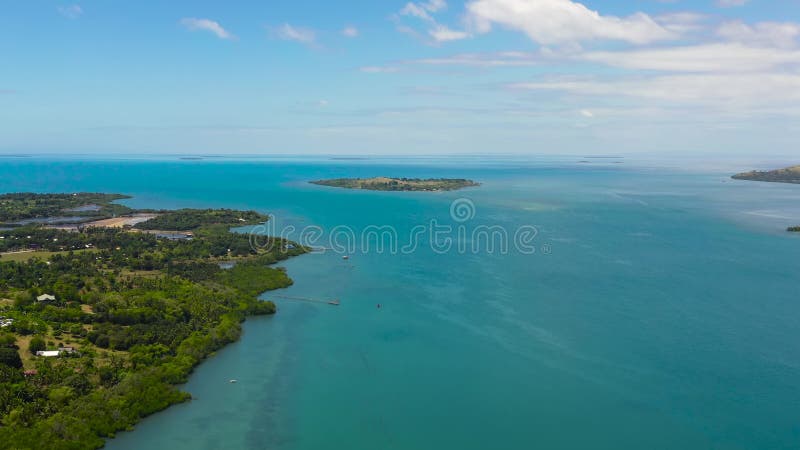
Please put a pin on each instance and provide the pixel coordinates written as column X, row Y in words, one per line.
column 22, row 208
column 99, row 324
column 399, row 184
column 787, row 175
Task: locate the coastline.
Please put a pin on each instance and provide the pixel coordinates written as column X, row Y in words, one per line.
column 209, row 385
column 162, row 315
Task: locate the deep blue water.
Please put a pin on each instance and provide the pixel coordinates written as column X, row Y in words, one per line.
column 659, row 311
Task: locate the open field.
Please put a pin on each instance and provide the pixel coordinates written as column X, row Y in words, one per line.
column 65, row 340
column 119, row 222
column 24, row 342
column 28, row 255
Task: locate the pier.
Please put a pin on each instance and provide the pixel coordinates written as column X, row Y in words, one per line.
column 333, row 302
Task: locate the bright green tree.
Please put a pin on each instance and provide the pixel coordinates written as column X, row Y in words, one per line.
column 37, row 344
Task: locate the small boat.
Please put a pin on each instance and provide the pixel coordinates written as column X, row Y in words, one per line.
column 345, row 257
column 334, row 302
column 232, row 381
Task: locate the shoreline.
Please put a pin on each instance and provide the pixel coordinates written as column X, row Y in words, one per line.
column 182, row 276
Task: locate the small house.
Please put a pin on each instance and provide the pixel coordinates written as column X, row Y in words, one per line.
column 48, row 353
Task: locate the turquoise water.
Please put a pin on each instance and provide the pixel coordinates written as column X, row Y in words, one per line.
column 660, row 310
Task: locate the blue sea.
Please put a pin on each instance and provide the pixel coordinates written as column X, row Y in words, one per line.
column 650, row 307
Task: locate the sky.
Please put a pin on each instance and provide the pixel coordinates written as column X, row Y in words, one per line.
column 713, row 77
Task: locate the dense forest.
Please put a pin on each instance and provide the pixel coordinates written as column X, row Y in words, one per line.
column 129, row 318
column 192, row 219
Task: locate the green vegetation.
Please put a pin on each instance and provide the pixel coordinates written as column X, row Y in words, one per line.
column 132, row 318
column 21, row 206
column 192, row 219
column 37, row 344
column 399, row 184
column 10, row 357
column 28, row 255
column 793, row 229
column 787, row 175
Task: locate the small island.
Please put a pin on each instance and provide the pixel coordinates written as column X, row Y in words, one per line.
column 793, row 229
column 787, row 175
column 399, row 184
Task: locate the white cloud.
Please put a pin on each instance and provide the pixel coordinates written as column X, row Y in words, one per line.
column 290, row 33
column 681, row 22
column 721, row 57
column 498, row 59
column 729, row 3
column 415, row 10
column 736, row 90
column 443, row 34
column 480, row 60
column 550, row 22
column 733, row 67
column 424, row 11
column 71, row 11
column 379, row 69
column 762, row 33
column 193, row 24
column 350, row 32
column 435, row 5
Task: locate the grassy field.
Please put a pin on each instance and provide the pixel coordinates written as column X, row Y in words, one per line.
column 54, row 343
column 25, row 256
column 24, row 342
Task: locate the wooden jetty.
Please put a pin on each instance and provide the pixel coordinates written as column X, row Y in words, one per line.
column 334, row 302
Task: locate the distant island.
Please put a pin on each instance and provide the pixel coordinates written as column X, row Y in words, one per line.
column 787, row 175
column 399, row 184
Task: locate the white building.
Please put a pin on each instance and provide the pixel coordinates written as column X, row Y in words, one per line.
column 46, row 298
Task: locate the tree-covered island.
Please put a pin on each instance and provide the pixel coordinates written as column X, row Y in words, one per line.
column 98, row 324
column 787, row 175
column 399, row 184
